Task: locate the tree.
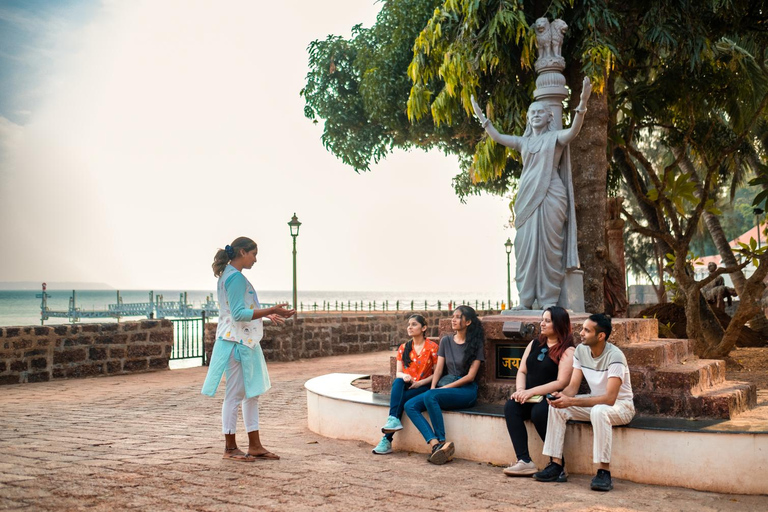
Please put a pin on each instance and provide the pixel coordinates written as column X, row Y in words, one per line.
column 666, row 68
column 496, row 56
column 691, row 129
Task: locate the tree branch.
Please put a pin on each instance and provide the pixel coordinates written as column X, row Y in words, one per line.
column 643, row 230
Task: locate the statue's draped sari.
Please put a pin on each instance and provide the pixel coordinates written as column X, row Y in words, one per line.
column 545, row 220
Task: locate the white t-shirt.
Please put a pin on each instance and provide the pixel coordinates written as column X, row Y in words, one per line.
column 597, row 371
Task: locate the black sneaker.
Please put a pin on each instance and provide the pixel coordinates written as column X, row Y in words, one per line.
column 602, row 481
column 552, row 473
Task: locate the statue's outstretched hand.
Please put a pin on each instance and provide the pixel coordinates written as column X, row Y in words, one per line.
column 586, row 92
column 478, row 111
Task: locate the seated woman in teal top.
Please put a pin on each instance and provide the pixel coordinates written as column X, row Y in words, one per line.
column 237, row 351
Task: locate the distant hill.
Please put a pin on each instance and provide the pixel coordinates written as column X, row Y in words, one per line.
column 53, row 285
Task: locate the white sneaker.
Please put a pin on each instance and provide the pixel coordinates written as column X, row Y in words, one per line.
column 521, row 468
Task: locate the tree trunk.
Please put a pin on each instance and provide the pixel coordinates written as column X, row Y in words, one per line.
column 590, row 170
column 724, row 248
column 661, row 290
column 701, row 324
column 714, row 226
column 754, row 287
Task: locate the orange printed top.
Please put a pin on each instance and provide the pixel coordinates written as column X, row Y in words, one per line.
column 422, row 365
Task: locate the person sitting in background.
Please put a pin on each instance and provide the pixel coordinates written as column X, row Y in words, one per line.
column 459, row 357
column 545, row 367
column 416, row 361
column 610, row 402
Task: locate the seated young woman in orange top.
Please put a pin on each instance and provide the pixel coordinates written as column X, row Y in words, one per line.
column 416, row 361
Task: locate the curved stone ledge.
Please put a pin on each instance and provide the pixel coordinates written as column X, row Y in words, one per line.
column 708, row 455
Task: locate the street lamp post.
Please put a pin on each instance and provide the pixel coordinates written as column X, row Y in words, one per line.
column 508, row 247
column 294, row 225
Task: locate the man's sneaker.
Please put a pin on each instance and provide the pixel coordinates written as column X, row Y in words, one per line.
column 442, row 453
column 392, row 425
column 384, row 447
column 521, row 468
column 552, row 473
column 602, row 481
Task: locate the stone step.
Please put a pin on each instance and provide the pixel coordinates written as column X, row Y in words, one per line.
column 381, row 383
column 692, row 377
column 722, row 401
column 628, row 331
column 656, row 352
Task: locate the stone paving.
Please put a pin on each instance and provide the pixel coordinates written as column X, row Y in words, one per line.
column 152, row 442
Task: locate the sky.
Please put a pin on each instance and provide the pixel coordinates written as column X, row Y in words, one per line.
column 138, row 137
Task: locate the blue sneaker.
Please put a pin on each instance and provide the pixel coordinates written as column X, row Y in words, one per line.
column 384, row 447
column 393, row 425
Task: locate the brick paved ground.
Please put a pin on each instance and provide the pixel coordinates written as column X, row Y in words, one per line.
column 152, row 442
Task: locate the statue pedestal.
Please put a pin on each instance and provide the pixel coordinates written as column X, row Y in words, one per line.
column 497, row 376
column 572, row 291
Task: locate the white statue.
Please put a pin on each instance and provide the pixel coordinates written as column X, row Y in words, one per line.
column 545, row 218
column 543, row 37
column 558, row 28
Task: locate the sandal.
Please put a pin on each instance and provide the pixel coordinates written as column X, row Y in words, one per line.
column 265, row 455
column 229, row 454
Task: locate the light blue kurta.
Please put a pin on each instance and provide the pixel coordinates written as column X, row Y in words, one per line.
column 252, row 360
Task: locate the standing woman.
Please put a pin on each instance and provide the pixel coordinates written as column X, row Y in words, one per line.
column 545, row 367
column 416, row 361
column 458, row 361
column 237, row 351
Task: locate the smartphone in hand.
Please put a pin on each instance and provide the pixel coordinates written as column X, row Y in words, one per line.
column 552, row 397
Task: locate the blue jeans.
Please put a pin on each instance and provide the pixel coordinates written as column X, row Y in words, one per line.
column 434, row 401
column 399, row 396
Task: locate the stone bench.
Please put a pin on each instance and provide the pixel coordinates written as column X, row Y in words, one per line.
column 709, row 455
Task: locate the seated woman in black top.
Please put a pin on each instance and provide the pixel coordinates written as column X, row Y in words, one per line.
column 546, row 366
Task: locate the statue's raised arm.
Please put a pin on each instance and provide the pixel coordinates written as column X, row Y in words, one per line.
column 566, row 136
column 511, row 141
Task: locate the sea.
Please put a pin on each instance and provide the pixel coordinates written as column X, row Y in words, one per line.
column 22, row 308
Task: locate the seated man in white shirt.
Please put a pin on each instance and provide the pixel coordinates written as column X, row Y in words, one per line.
column 609, row 403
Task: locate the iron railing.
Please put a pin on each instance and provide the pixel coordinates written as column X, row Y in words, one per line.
column 189, row 338
column 398, row 305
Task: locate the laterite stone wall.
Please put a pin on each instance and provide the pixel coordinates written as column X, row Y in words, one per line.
column 328, row 334
column 41, row 354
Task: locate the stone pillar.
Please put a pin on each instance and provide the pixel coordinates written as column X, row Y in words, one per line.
column 550, row 84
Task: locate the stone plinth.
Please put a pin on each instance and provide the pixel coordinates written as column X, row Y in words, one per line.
column 667, row 378
column 491, row 387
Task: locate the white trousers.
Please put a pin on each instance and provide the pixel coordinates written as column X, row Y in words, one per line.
column 602, row 417
column 234, row 396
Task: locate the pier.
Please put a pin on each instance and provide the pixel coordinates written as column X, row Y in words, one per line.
column 156, row 307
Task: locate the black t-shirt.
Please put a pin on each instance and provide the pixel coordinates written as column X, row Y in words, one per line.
column 539, row 372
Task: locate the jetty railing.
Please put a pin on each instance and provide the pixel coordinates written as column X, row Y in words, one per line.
column 158, row 307
column 397, row 305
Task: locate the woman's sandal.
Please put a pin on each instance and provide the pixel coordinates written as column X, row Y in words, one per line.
column 229, row 454
column 265, row 455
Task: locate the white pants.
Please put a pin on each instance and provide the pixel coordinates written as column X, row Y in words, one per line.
column 234, row 396
column 602, row 417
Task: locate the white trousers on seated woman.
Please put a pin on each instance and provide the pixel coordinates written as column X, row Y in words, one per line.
column 234, row 396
